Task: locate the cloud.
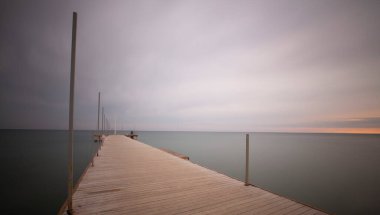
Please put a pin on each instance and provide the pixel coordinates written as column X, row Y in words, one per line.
column 192, row 65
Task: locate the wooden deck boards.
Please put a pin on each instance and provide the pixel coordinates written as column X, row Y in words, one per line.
column 130, row 177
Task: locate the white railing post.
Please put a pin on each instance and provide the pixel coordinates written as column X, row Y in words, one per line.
column 247, row 160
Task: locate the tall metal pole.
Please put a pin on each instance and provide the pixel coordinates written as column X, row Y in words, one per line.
column 246, row 159
column 102, row 119
column 97, row 154
column 115, row 127
column 105, row 124
column 101, row 144
column 71, row 120
column 98, row 111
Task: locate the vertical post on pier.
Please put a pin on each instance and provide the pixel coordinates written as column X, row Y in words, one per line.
column 115, row 127
column 98, row 110
column 102, row 119
column 97, row 154
column 107, row 125
column 246, row 159
column 101, row 144
column 71, row 119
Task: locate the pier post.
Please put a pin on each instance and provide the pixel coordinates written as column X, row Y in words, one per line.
column 97, row 154
column 115, row 127
column 246, row 160
column 102, row 119
column 103, row 116
column 71, row 121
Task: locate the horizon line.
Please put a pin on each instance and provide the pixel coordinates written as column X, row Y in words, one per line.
column 368, row 131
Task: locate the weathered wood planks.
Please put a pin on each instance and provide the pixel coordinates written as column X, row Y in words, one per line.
column 130, row 177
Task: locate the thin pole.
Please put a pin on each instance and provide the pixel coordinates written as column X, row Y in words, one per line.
column 97, row 154
column 246, row 159
column 102, row 125
column 71, row 120
column 115, row 127
column 98, row 111
column 105, row 123
column 103, row 119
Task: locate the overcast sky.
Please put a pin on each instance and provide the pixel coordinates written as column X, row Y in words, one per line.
column 193, row 65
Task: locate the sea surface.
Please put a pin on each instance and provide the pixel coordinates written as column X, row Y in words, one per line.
column 33, row 167
column 337, row 173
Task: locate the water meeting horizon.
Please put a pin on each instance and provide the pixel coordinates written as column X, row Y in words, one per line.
column 215, row 107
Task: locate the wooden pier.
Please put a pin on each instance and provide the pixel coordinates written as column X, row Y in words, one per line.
column 176, row 154
column 130, row 177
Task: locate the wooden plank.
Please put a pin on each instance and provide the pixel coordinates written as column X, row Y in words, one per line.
column 176, row 154
column 133, row 178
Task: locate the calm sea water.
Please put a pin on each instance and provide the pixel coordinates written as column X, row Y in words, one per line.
column 33, row 167
column 336, row 173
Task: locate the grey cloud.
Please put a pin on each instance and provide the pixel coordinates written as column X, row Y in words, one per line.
column 193, row 65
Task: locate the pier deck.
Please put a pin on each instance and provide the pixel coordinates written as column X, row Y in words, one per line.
column 130, row 177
